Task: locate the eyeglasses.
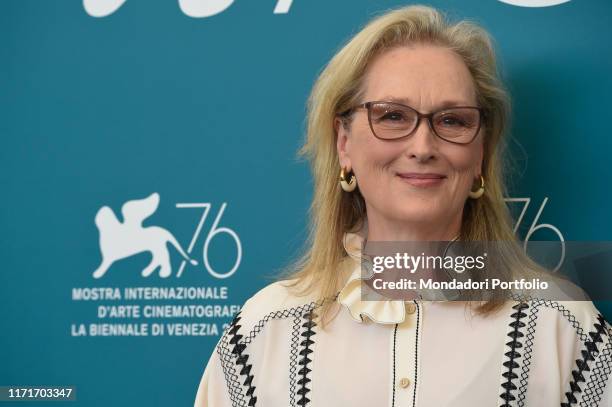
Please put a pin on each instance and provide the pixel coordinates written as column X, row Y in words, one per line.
column 391, row 121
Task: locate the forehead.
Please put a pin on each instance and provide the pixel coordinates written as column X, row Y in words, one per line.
column 423, row 76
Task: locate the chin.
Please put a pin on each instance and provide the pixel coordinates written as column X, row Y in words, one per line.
column 419, row 214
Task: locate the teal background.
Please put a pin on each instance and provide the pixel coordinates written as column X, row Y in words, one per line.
column 99, row 111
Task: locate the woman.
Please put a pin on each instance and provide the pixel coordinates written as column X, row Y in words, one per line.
column 310, row 340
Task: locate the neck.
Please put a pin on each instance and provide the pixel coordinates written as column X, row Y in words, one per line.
column 384, row 229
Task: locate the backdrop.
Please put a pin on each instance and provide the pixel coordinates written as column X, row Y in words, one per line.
column 134, row 130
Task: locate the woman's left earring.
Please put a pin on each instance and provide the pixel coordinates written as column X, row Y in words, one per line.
column 349, row 185
column 480, row 191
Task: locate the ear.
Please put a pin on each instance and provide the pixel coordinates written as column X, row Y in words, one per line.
column 480, row 159
column 342, row 139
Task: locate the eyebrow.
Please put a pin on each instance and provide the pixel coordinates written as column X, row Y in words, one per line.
column 442, row 105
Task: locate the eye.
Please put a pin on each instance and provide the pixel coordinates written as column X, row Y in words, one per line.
column 386, row 116
column 393, row 116
column 452, row 121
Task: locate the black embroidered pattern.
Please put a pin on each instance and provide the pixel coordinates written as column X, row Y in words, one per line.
column 536, row 304
column 416, row 353
column 232, row 346
column 528, row 347
column 305, row 352
column 588, row 355
column 293, row 356
column 231, row 352
column 242, row 359
column 286, row 313
column 393, row 382
column 602, row 369
column 515, row 334
column 595, row 388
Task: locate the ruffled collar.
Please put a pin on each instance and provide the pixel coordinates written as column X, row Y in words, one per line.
column 379, row 309
column 382, row 311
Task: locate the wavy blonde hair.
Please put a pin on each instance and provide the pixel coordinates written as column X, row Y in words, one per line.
column 340, row 85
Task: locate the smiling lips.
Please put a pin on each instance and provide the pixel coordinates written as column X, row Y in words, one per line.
column 416, row 179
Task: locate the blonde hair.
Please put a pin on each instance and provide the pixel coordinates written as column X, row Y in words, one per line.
column 339, row 87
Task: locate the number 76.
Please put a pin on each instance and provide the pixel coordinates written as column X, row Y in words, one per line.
column 535, row 227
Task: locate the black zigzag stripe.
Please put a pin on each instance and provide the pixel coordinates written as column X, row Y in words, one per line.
column 515, row 343
column 305, row 351
column 589, row 352
column 242, row 359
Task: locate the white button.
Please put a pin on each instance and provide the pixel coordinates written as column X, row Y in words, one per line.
column 410, row 308
column 404, row 382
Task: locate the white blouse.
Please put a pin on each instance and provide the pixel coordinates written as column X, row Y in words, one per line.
column 416, row 353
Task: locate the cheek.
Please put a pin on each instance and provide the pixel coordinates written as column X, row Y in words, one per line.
column 464, row 165
column 370, row 155
column 371, row 159
column 464, row 160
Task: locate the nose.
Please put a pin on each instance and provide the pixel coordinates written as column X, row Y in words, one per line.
column 422, row 144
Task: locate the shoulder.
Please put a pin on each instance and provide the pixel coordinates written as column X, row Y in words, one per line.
column 583, row 312
column 276, row 301
column 582, row 317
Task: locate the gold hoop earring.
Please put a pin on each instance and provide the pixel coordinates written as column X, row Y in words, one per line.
column 350, row 185
column 480, row 191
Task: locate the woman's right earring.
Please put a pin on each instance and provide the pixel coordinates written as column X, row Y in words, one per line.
column 349, row 185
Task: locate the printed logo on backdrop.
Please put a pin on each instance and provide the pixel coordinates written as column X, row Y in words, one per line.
column 535, row 226
column 191, row 8
column 209, row 8
column 534, row 3
column 169, row 309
